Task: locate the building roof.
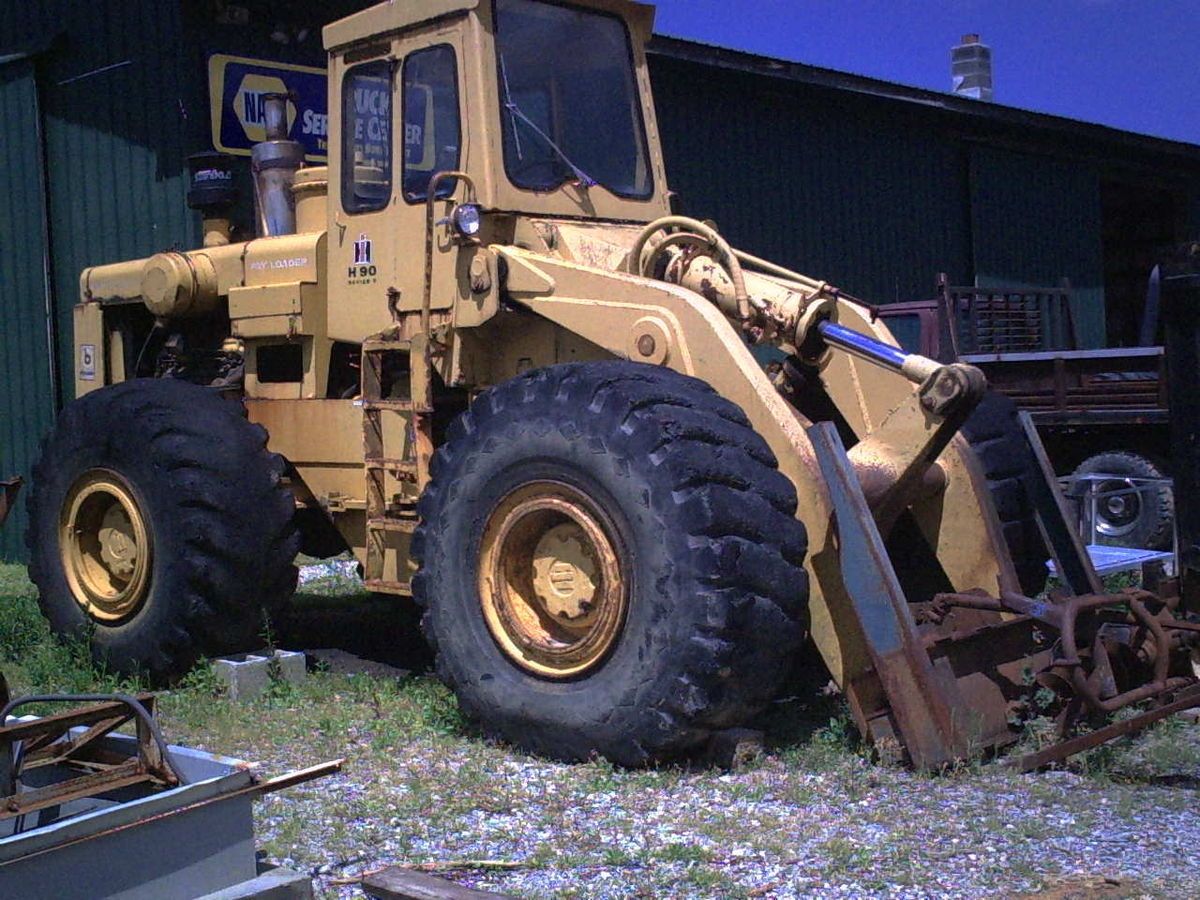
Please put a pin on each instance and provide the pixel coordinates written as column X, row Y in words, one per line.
column 966, row 108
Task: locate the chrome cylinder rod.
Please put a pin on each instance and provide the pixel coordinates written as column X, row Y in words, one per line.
column 913, row 366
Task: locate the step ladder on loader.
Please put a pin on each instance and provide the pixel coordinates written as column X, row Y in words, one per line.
column 391, row 510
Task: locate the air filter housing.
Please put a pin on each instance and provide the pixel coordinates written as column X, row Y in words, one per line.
column 210, row 182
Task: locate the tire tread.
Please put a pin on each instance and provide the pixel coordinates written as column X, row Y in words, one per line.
column 744, row 558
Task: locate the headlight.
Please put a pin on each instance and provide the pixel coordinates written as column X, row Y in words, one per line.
column 467, row 218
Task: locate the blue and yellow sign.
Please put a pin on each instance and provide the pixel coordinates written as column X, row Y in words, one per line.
column 236, row 87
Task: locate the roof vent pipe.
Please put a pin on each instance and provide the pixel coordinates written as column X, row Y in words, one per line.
column 274, row 163
column 971, row 68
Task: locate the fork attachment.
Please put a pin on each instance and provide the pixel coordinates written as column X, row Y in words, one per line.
column 954, row 677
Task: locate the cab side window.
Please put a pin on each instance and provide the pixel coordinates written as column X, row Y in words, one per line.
column 432, row 130
column 367, row 137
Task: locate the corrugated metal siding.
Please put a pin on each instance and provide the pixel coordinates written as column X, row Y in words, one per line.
column 116, row 122
column 124, row 98
column 841, row 188
column 117, row 132
column 1036, row 220
column 26, row 395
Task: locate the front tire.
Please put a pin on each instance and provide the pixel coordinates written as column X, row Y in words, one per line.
column 159, row 530
column 610, row 563
column 995, row 434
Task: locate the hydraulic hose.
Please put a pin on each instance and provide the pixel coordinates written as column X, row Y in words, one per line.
column 726, row 253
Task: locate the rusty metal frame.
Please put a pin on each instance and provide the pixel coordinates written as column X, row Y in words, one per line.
column 916, row 711
column 1186, row 698
column 1054, row 521
column 1016, row 317
column 33, row 743
column 946, row 674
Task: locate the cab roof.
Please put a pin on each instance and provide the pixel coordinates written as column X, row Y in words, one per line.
column 395, row 15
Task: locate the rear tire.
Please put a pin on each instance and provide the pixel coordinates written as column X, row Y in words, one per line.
column 682, row 513
column 160, row 530
column 995, row 434
column 1144, row 520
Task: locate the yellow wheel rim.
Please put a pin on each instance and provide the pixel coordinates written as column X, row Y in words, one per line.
column 106, row 546
column 551, row 582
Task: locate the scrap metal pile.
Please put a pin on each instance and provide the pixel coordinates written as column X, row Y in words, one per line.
column 75, row 792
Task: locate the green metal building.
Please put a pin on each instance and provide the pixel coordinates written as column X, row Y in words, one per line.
column 874, row 186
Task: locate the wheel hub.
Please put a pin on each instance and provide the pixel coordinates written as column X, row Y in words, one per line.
column 105, row 546
column 1118, row 515
column 565, row 572
column 118, row 544
column 551, row 581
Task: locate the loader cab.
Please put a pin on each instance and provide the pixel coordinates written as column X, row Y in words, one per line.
column 544, row 105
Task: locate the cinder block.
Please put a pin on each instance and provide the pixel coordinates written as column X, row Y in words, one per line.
column 274, row 884
column 248, row 675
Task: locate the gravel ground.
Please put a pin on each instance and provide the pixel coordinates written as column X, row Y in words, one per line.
column 814, row 817
column 782, row 829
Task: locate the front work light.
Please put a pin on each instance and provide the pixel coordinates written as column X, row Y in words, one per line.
column 466, row 218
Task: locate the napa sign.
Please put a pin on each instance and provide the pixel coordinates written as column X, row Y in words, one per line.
column 236, row 88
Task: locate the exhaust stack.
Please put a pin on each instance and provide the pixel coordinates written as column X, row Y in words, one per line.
column 274, row 163
column 971, row 68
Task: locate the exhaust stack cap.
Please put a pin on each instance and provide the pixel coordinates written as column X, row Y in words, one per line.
column 275, row 116
column 971, row 68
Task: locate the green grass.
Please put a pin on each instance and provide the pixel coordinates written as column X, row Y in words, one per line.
column 380, row 709
column 813, row 733
column 31, row 658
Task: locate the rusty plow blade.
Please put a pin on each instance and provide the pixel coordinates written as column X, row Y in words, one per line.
column 1108, row 653
column 8, row 496
column 954, row 675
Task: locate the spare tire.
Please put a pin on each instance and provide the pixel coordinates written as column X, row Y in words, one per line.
column 1142, row 518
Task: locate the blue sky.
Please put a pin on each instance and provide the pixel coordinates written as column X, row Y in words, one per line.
column 1132, row 64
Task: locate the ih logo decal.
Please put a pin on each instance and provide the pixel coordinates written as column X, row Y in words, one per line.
column 363, row 271
column 362, row 251
column 248, row 104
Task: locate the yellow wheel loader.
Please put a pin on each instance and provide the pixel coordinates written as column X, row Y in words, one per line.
column 628, row 470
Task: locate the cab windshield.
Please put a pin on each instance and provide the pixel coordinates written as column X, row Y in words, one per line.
column 569, row 103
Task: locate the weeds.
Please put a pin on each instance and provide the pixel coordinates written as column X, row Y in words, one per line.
column 684, row 852
column 843, row 855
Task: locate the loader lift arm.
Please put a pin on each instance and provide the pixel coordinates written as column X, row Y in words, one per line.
column 941, row 676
